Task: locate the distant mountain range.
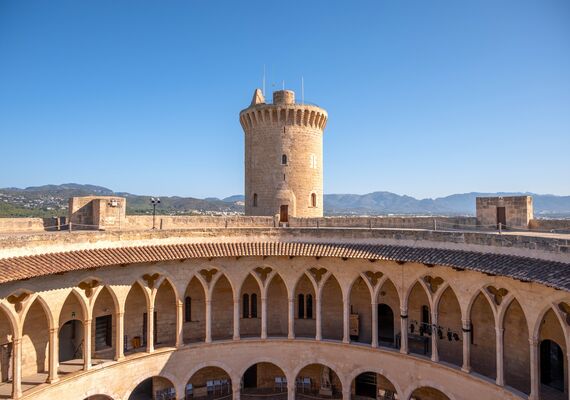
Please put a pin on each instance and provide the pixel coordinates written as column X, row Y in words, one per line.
column 50, row 200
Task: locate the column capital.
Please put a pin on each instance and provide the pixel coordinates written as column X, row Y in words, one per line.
column 499, row 331
column 533, row 341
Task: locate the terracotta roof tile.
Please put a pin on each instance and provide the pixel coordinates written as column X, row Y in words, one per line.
column 550, row 273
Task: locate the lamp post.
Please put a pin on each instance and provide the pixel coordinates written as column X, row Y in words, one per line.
column 154, row 203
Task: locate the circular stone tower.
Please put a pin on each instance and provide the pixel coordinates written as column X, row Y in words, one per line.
column 283, row 156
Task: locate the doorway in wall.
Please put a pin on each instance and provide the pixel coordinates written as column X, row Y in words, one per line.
column 250, row 377
column 284, row 214
column 71, row 341
column 501, row 217
column 145, row 330
column 365, row 385
column 385, row 324
column 551, row 365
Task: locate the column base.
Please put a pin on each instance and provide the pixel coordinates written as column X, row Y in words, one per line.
column 120, row 358
column 234, row 338
column 467, row 370
column 53, row 380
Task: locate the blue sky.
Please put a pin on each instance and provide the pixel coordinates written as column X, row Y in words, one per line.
column 425, row 98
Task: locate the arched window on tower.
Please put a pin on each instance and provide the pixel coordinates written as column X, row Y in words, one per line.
column 253, row 298
column 255, row 199
column 313, row 199
column 309, row 306
column 245, row 305
column 284, row 159
column 301, row 307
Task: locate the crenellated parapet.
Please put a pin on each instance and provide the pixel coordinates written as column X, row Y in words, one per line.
column 264, row 115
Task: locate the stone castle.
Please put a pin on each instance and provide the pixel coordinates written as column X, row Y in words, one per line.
column 284, row 303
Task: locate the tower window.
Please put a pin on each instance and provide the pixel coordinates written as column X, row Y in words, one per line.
column 313, row 161
column 313, row 199
column 284, row 159
column 255, row 199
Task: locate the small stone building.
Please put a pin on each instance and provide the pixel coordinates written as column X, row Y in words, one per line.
column 511, row 211
column 97, row 212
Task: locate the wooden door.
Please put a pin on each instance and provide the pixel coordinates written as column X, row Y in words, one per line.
column 284, row 214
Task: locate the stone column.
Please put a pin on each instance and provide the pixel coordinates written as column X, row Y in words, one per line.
column 346, row 320
column 53, row 355
column 150, row 330
column 404, row 331
column 291, row 321
column 346, row 392
column 179, row 324
column 434, row 338
column 236, row 391
column 209, row 321
column 500, row 350
column 264, row 317
column 17, row 368
column 290, row 390
column 236, row 335
column 534, row 370
column 318, row 329
column 87, row 345
column 466, row 367
column 374, row 324
column 120, row 336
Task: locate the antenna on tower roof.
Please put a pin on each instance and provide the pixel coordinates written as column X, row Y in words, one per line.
column 302, row 90
column 263, row 80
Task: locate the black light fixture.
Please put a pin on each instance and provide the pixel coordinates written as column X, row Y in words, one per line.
column 154, row 202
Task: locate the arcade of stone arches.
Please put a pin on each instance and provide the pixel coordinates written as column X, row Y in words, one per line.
column 491, row 327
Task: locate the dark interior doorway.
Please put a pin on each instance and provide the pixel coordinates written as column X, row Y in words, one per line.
column 250, row 377
column 501, row 217
column 365, row 385
column 71, row 341
column 551, row 365
column 284, row 213
column 385, row 323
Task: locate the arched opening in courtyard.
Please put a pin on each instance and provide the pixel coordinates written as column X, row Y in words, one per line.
column 153, row 388
column 264, row 379
column 371, row 385
column 317, row 380
column 209, row 383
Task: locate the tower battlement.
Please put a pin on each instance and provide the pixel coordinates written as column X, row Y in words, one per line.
column 283, row 156
column 283, row 111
